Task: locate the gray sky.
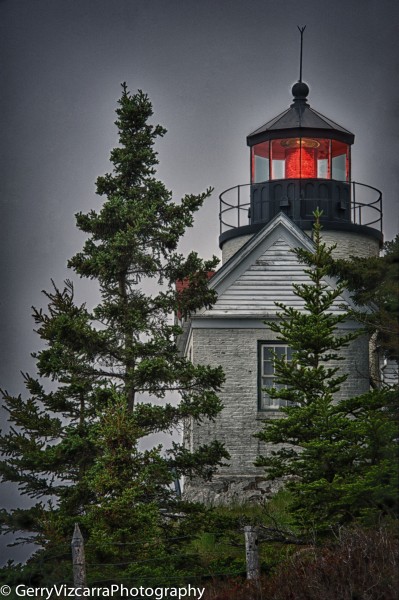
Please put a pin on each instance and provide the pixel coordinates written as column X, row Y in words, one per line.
column 215, row 70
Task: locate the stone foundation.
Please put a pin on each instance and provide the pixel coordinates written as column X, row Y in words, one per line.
column 223, row 490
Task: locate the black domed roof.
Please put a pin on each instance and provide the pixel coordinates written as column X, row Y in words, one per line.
column 300, row 119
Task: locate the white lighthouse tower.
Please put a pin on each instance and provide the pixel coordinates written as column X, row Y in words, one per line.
column 299, row 161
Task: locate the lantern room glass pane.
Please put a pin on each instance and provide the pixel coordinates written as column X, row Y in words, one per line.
column 323, row 159
column 278, row 160
column 322, row 168
column 338, row 167
column 261, row 169
column 260, row 162
column 340, row 161
column 278, row 169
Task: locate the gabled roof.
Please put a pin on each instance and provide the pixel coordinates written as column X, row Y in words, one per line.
column 262, row 272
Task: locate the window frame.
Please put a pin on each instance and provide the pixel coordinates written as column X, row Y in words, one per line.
column 261, row 345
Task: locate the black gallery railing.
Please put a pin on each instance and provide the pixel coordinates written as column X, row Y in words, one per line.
column 340, row 201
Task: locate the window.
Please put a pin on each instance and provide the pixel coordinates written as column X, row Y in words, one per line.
column 267, row 375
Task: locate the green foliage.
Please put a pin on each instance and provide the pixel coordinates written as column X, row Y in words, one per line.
column 115, row 375
column 220, row 548
column 374, row 283
column 338, row 458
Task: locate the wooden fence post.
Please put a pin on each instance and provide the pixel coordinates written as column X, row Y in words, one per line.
column 252, row 553
column 78, row 558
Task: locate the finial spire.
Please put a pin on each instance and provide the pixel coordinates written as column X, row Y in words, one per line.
column 301, row 30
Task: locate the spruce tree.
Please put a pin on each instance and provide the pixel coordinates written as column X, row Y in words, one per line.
column 374, row 283
column 338, row 457
column 110, row 376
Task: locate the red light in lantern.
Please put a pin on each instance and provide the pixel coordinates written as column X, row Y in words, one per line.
column 300, row 158
column 300, row 162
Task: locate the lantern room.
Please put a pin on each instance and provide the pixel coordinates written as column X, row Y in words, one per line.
column 299, row 155
column 300, row 161
column 300, row 143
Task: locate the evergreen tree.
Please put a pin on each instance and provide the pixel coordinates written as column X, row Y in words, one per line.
column 115, row 372
column 374, row 283
column 339, row 458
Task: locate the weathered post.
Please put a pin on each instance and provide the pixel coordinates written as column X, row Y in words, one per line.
column 78, row 558
column 252, row 553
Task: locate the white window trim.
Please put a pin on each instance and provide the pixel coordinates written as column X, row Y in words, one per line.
column 265, row 379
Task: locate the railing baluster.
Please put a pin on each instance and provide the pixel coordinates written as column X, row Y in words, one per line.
column 239, row 210
column 357, row 206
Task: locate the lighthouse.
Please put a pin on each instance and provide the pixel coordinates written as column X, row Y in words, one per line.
column 299, row 161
